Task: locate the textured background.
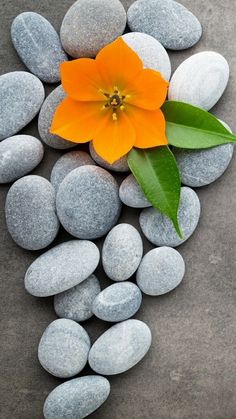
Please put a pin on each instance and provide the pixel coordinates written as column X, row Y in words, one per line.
column 190, row 370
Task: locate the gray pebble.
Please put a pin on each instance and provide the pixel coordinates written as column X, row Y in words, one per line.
column 88, row 203
column 89, row 25
column 19, row 155
column 31, row 212
column 61, row 268
column 131, row 194
column 117, row 302
column 172, row 24
column 21, row 97
column 77, row 398
column 63, row 348
column 38, row 45
column 160, row 271
column 120, row 165
column 159, row 229
column 122, row 252
column 120, row 348
column 76, row 303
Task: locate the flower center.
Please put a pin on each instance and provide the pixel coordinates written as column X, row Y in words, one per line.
column 114, row 102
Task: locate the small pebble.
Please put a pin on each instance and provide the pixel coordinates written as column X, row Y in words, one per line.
column 131, row 194
column 120, row 165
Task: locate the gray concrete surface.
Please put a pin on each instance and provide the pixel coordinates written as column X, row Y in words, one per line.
column 189, row 372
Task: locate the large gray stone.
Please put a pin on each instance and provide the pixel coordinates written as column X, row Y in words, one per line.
column 120, row 165
column 88, row 203
column 31, row 212
column 61, row 268
column 131, row 194
column 77, row 398
column 38, row 45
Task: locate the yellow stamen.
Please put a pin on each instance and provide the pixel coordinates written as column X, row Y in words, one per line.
column 122, row 107
column 114, row 116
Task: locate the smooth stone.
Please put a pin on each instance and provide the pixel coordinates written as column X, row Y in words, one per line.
column 63, row 348
column 122, row 252
column 88, row 203
column 46, row 115
column 21, row 97
column 200, row 80
column 159, row 229
column 120, row 348
column 61, row 268
column 150, row 51
column 160, row 271
column 31, row 212
column 131, row 194
column 19, row 155
column 89, row 25
column 120, row 165
column 117, row 302
column 174, row 26
column 77, row 398
column 76, row 303
column 38, row 45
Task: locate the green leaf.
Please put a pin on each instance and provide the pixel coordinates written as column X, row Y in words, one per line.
column 156, row 171
column 191, row 127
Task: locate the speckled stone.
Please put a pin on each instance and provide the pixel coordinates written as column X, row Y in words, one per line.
column 122, row 252
column 160, row 271
column 66, row 164
column 120, row 348
column 77, row 398
column 89, row 25
column 159, row 229
column 61, row 268
column 47, row 112
column 117, row 302
column 151, row 52
column 200, row 80
column 166, row 20
column 76, row 303
column 120, row 165
column 63, row 348
column 21, row 97
column 132, row 195
column 31, row 212
column 38, row 45
column 88, row 203
column 19, row 155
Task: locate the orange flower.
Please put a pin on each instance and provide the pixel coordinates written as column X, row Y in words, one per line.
column 112, row 100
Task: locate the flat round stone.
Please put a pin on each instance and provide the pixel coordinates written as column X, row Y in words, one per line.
column 89, row 25
column 31, row 212
column 131, row 194
column 19, row 155
column 76, row 303
column 61, row 268
column 117, row 302
column 120, row 165
column 21, row 97
column 174, row 26
column 159, row 229
column 160, row 271
column 120, row 348
column 63, row 348
column 88, row 203
column 38, row 45
column 77, row 398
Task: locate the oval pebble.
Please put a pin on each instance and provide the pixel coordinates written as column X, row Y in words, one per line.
column 150, row 51
column 120, row 165
column 89, row 25
column 174, row 26
column 38, row 45
column 160, row 271
column 117, row 302
column 63, row 348
column 76, row 303
column 159, row 229
column 77, row 398
column 120, row 348
column 31, row 212
column 200, row 80
column 19, row 155
column 21, row 97
column 131, row 194
column 88, row 203
column 61, row 268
